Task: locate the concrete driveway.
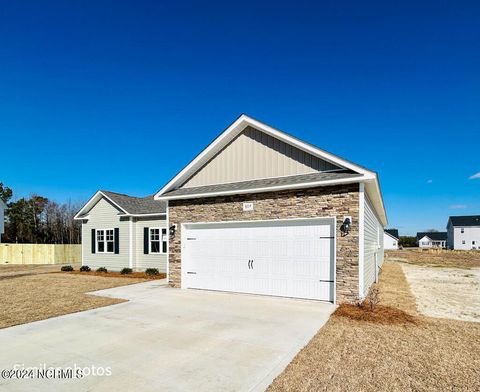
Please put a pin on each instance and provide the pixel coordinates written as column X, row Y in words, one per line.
column 165, row 339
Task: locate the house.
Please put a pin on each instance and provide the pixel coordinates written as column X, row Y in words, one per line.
column 120, row 231
column 463, row 232
column 2, row 218
column 257, row 211
column 390, row 239
column 432, row 239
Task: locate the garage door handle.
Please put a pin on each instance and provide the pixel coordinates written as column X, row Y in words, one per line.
column 327, row 281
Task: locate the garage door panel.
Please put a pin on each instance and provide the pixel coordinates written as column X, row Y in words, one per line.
column 293, row 259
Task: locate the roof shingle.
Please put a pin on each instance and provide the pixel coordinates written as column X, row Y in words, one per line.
column 434, row 235
column 470, row 220
column 262, row 183
column 137, row 205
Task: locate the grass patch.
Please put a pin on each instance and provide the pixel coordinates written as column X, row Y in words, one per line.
column 436, row 257
column 386, row 352
column 37, row 297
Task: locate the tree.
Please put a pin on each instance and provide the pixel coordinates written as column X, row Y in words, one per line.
column 5, row 193
column 39, row 220
column 407, row 241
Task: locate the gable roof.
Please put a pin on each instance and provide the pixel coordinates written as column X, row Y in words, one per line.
column 127, row 205
column 392, row 233
column 434, row 235
column 467, row 220
column 370, row 178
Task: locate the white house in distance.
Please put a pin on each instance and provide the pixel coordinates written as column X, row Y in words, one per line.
column 434, row 239
column 257, row 211
column 390, row 239
column 463, row 232
column 2, row 218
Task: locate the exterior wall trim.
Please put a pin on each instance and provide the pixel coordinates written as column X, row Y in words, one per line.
column 361, row 239
column 130, row 243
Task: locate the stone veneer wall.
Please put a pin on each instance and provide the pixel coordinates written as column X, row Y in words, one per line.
column 332, row 201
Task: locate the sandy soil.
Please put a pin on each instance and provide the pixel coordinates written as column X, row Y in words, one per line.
column 445, row 292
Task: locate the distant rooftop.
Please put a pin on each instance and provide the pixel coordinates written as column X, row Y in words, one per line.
column 467, row 220
column 434, row 235
column 393, row 233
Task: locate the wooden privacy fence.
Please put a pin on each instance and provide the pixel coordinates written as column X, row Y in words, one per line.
column 40, row 254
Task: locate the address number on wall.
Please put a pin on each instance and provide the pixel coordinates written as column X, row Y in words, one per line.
column 247, row 206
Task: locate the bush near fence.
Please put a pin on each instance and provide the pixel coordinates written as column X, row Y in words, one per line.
column 40, row 254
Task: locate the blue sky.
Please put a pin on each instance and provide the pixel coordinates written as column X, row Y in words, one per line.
column 121, row 95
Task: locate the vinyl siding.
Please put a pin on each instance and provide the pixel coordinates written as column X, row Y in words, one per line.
column 105, row 216
column 254, row 155
column 389, row 242
column 373, row 245
column 470, row 234
column 144, row 261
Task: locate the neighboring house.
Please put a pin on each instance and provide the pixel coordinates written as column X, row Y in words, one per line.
column 432, row 239
column 463, row 232
column 390, row 239
column 259, row 211
column 2, row 218
column 120, row 231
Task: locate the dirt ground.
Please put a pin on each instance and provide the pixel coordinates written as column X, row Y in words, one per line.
column 446, row 292
column 24, row 299
column 426, row 355
column 436, row 257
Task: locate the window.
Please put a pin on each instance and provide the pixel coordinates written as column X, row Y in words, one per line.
column 105, row 241
column 473, row 242
column 109, row 240
column 158, row 240
column 462, row 230
column 463, row 242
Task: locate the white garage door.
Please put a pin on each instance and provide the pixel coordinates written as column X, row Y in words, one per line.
column 283, row 258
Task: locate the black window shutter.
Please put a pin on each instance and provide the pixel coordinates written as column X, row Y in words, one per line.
column 145, row 240
column 117, row 240
column 93, row 240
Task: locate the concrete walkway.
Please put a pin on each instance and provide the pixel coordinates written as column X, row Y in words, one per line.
column 166, row 339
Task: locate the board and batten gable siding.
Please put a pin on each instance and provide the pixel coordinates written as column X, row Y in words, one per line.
column 254, row 155
column 373, row 246
column 143, row 261
column 105, row 216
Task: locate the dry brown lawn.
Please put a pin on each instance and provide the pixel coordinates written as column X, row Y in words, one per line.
column 113, row 274
column 28, row 268
column 25, row 299
column 351, row 355
column 436, row 257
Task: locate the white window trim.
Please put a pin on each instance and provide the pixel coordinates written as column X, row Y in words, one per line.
column 104, row 241
column 161, row 252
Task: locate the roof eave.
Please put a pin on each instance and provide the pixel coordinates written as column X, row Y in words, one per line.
column 351, row 180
